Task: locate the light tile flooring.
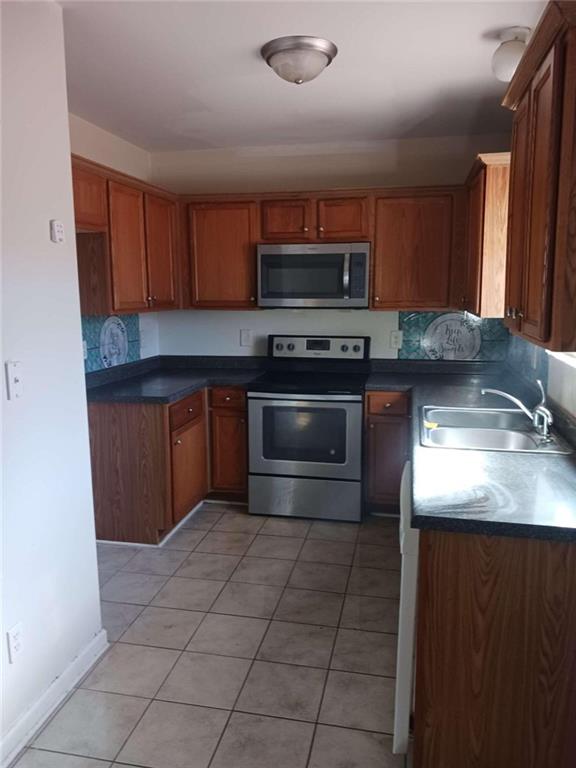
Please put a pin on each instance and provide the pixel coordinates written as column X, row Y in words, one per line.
column 244, row 642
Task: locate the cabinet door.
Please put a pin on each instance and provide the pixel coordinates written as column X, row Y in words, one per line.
column 518, row 211
column 222, row 238
column 90, row 200
column 475, row 231
column 343, row 218
column 229, row 450
column 127, row 248
column 291, row 220
column 545, row 116
column 412, row 252
column 189, row 468
column 387, row 450
column 160, row 251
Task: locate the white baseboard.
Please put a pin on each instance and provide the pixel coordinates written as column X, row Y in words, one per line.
column 34, row 718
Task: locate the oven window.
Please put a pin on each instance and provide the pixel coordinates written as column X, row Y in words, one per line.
column 302, row 276
column 304, row 434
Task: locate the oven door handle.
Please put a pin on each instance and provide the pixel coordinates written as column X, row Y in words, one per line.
column 346, row 277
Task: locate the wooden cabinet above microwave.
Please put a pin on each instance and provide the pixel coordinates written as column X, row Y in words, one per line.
column 300, row 219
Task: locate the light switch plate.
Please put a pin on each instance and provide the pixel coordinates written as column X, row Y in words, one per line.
column 396, row 339
column 245, row 337
column 14, row 380
column 56, row 231
column 14, row 638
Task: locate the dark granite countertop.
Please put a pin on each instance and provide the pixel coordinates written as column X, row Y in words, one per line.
column 169, row 385
column 487, row 492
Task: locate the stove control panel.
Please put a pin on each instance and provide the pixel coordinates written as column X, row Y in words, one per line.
column 320, row 347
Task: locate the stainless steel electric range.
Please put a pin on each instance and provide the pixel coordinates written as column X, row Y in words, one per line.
column 305, row 428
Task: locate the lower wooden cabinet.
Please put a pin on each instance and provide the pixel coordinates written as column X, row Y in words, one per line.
column 149, row 466
column 229, row 442
column 189, row 467
column 496, row 653
column 387, row 443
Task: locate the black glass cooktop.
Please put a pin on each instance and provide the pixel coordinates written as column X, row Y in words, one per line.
column 306, row 383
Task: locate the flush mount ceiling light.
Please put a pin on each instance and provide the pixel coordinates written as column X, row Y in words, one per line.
column 298, row 58
column 508, row 54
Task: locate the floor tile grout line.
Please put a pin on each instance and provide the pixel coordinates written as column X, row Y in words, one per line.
column 253, row 661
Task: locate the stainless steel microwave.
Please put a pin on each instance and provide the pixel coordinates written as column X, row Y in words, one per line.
column 325, row 275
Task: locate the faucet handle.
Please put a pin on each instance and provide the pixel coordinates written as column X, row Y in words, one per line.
column 542, row 392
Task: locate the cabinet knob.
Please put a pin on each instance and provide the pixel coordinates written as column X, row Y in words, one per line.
column 190, row 410
column 227, row 398
column 242, row 421
column 376, row 298
column 178, row 442
column 387, row 405
column 519, row 313
column 371, row 426
column 321, row 229
column 304, row 229
column 149, row 299
column 252, row 298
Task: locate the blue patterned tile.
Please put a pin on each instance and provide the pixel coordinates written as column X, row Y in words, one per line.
column 93, row 361
column 133, row 351
column 132, row 324
column 91, row 328
column 493, row 350
column 411, row 350
column 494, row 329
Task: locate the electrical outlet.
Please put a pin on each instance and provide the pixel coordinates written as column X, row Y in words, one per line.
column 245, row 337
column 395, row 339
column 14, row 379
column 15, row 637
column 56, row 231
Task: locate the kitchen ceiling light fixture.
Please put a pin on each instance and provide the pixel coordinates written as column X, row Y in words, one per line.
column 508, row 54
column 298, row 58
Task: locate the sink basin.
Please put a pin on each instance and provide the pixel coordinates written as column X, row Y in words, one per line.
column 484, row 429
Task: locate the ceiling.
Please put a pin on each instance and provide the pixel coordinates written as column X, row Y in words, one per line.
column 188, row 75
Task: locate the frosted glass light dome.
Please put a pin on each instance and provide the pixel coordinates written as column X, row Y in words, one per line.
column 299, row 58
column 508, row 54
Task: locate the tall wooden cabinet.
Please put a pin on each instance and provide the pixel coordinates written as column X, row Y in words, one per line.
column 128, row 248
column 541, row 275
column 222, row 238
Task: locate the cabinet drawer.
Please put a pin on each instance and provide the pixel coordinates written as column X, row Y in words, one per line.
column 227, row 397
column 186, row 410
column 388, row 403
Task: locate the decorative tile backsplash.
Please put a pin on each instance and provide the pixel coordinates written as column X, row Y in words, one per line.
column 528, row 360
column 110, row 341
column 451, row 336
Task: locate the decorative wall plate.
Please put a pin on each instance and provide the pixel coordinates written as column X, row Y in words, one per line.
column 452, row 336
column 113, row 342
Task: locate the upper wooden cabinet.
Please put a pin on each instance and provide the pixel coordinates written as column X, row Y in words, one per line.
column 291, row 220
column 412, row 253
column 128, row 248
column 223, row 251
column 126, row 245
column 90, row 199
column 486, row 236
column 160, row 251
column 541, row 275
column 301, row 219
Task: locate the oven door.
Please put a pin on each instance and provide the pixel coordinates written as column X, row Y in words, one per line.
column 313, row 275
column 306, row 438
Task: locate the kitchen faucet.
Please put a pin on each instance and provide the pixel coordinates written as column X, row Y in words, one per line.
column 540, row 416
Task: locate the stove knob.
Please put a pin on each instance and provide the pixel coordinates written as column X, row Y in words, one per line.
column 357, row 348
column 291, row 347
column 279, row 347
column 344, row 348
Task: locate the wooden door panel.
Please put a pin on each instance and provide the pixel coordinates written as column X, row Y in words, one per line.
column 229, row 450
column 545, row 121
column 343, row 218
column 160, row 251
column 291, row 220
column 189, row 468
column 518, row 210
column 412, row 252
column 222, row 238
column 90, row 200
column 127, row 247
column 387, row 450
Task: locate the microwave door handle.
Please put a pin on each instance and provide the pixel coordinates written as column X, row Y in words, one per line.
column 346, row 277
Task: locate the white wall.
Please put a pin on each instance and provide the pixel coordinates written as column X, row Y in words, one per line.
column 562, row 381
column 207, row 332
column 49, row 555
column 94, row 143
column 402, row 162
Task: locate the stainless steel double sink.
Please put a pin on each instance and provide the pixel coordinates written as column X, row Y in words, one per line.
column 485, row 429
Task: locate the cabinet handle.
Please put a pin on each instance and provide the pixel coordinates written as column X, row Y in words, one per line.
column 371, row 426
column 190, row 410
column 387, row 405
column 304, row 229
column 252, row 298
column 149, row 299
column 321, row 229
column 227, row 398
column 178, row 442
column 376, row 298
column 519, row 313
